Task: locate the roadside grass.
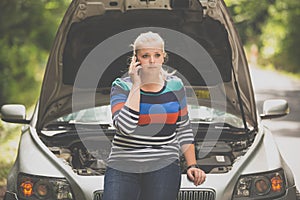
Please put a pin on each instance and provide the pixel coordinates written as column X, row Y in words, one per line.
column 9, row 140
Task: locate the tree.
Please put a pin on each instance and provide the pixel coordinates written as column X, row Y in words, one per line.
column 273, row 25
column 288, row 56
column 27, row 29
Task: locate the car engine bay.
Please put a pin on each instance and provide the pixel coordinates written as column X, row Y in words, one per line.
column 87, row 154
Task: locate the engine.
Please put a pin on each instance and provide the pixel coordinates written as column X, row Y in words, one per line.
column 212, row 156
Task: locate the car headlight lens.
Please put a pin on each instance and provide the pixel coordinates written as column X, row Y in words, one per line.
column 260, row 186
column 39, row 188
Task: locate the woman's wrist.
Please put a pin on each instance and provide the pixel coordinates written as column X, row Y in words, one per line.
column 136, row 85
column 193, row 166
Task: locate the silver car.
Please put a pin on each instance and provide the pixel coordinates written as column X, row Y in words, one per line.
column 64, row 145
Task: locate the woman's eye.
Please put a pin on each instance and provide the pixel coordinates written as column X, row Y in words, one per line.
column 157, row 55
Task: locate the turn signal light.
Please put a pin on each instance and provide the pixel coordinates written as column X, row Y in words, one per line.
column 27, row 188
column 277, row 183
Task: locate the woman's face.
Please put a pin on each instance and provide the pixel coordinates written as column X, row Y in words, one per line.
column 150, row 58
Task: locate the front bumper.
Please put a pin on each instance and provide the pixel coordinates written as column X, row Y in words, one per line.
column 290, row 195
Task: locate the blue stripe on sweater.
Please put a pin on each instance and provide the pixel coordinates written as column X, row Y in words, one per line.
column 171, row 107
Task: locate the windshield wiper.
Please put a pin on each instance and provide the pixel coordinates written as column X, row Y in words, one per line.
column 59, row 126
column 218, row 126
column 67, row 125
column 229, row 127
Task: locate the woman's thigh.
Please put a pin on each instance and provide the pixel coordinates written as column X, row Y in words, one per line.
column 162, row 184
column 120, row 185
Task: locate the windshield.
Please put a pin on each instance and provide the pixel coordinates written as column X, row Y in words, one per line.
column 96, row 115
column 204, row 114
column 197, row 114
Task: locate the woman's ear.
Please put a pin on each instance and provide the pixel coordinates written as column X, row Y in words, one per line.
column 135, row 54
column 165, row 57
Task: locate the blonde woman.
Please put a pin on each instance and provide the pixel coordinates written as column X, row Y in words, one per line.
column 150, row 114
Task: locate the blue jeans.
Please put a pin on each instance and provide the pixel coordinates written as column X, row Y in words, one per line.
column 162, row 184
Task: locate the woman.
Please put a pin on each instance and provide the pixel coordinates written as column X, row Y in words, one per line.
column 150, row 114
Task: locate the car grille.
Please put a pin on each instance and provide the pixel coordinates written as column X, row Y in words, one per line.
column 196, row 195
column 182, row 195
column 98, row 195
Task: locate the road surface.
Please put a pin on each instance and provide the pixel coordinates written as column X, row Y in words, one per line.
column 273, row 85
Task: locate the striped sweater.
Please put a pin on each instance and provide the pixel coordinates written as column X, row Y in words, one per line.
column 157, row 131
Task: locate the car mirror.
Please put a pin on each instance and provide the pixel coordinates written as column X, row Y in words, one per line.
column 14, row 113
column 275, row 108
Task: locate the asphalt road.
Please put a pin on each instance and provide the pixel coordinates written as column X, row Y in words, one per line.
column 273, row 85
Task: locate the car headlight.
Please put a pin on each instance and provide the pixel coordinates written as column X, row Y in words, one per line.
column 260, row 186
column 39, row 188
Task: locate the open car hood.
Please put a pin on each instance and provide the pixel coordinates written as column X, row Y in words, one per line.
column 92, row 48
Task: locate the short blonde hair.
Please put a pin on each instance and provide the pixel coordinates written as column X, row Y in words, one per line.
column 148, row 40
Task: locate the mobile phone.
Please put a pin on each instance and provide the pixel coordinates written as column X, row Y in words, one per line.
column 137, row 60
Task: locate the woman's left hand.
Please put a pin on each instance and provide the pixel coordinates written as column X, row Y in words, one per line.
column 196, row 175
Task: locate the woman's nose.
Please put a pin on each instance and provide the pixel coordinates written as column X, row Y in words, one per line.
column 152, row 59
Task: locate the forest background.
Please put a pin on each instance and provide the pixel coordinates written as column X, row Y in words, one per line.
column 270, row 30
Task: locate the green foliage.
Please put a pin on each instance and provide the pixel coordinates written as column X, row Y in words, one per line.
column 8, row 148
column 27, row 29
column 289, row 55
column 274, row 26
column 249, row 16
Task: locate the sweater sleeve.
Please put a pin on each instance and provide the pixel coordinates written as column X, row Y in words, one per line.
column 183, row 127
column 125, row 119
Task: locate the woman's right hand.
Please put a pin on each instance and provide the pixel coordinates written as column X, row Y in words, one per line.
column 134, row 71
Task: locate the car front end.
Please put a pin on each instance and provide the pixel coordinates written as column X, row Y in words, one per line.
column 64, row 146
